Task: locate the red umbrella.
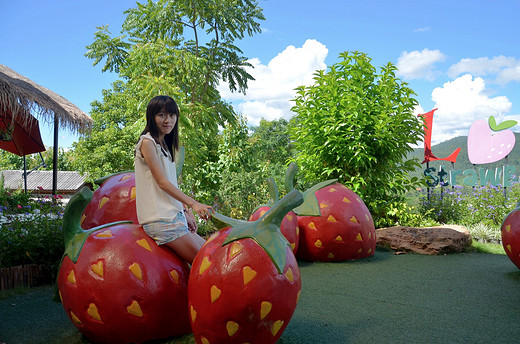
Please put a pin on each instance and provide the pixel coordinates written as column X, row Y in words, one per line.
column 20, row 136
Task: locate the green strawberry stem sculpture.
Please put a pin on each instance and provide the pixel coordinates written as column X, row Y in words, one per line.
column 289, row 225
column 116, row 285
column 335, row 224
column 245, row 282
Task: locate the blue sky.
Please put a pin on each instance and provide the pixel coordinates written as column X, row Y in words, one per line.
column 462, row 57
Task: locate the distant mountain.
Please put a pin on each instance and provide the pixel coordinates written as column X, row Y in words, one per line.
column 445, row 148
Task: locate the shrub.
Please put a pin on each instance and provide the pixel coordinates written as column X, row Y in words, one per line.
column 30, row 230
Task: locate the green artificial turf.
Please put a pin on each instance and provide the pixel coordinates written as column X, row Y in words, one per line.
column 408, row 298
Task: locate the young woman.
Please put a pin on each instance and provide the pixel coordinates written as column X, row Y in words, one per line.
column 161, row 206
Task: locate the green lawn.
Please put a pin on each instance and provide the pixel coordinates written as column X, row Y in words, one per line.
column 408, row 298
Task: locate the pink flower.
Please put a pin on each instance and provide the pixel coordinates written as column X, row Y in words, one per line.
column 19, row 206
column 40, row 188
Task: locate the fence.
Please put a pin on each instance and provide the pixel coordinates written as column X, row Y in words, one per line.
column 24, row 275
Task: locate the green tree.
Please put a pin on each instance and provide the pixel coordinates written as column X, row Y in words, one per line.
column 357, row 125
column 180, row 48
column 10, row 161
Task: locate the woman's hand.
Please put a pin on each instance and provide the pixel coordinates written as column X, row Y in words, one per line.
column 204, row 211
column 190, row 219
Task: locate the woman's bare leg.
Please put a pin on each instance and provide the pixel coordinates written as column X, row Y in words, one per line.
column 187, row 246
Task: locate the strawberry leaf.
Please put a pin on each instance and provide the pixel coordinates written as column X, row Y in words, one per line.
column 504, row 125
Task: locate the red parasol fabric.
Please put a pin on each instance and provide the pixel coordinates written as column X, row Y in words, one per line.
column 21, row 136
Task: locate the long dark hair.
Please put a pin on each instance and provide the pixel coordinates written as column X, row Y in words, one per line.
column 156, row 105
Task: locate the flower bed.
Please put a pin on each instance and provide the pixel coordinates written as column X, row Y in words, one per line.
column 31, row 240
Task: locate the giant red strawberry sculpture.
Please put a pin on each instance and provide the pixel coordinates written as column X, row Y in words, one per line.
column 113, row 201
column 245, row 282
column 289, row 226
column 116, row 285
column 511, row 235
column 334, row 223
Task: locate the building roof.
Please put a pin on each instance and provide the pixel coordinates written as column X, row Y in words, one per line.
column 68, row 181
column 19, row 95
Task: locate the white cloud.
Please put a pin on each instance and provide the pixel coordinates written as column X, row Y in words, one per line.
column 501, row 69
column 422, row 29
column 269, row 95
column 419, row 64
column 462, row 101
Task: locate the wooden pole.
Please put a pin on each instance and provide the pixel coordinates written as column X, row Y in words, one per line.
column 55, row 157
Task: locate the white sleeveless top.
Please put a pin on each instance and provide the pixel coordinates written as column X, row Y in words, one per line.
column 152, row 203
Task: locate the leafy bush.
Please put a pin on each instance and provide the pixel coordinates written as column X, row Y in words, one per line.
column 30, row 230
column 488, row 205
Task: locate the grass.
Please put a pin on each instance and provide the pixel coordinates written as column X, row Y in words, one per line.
column 490, row 248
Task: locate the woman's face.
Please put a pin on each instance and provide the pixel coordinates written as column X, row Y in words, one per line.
column 165, row 122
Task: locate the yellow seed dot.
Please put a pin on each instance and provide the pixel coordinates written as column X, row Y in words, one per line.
column 97, row 268
column 102, row 202
column 322, row 205
column 132, row 193
column 367, row 217
column 293, row 246
column 262, row 212
column 248, row 274
column 235, row 249
column 75, row 318
column 204, row 340
column 61, row 297
column 359, row 200
column 289, row 217
column 135, row 309
column 276, row 327
column 289, row 275
column 369, row 235
column 215, row 293
column 318, row 243
column 265, row 308
column 298, row 296
column 330, row 255
column 508, row 228
column 369, row 251
column 346, row 200
column 175, row 276
column 353, row 219
column 297, row 230
column 339, row 238
column 136, row 270
column 193, row 314
column 360, row 250
column 71, row 277
column 359, row 237
column 125, row 177
column 509, row 248
column 93, row 312
column 144, row 244
column 232, row 328
column 204, row 265
column 83, row 217
column 331, row 219
column 105, row 234
column 312, row 225
column 333, row 190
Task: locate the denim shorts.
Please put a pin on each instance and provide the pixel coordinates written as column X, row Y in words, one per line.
column 164, row 232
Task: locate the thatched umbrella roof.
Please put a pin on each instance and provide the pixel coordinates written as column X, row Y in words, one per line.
column 19, row 95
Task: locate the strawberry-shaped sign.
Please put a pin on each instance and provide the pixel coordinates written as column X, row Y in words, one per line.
column 289, row 226
column 484, row 146
column 116, row 285
column 334, row 223
column 113, row 201
column 511, row 235
column 245, row 282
